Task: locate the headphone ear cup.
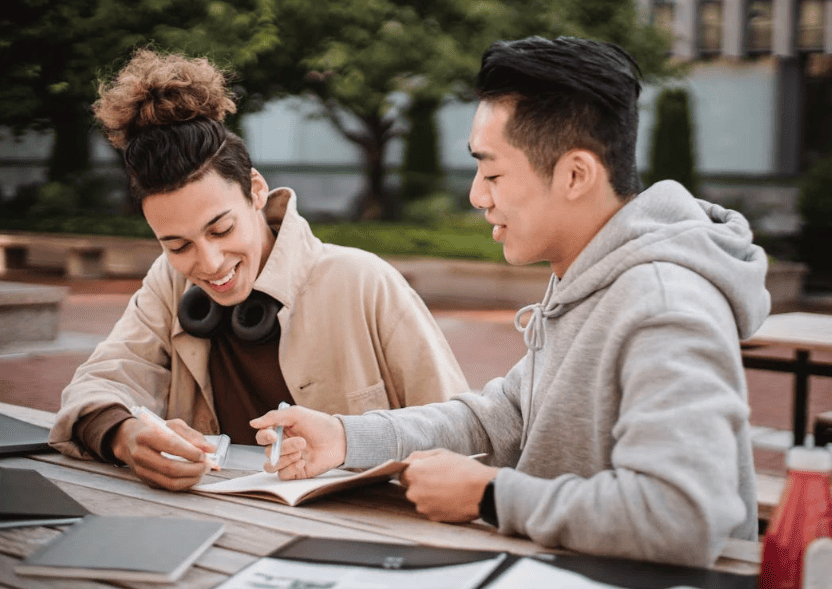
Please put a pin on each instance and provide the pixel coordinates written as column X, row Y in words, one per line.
column 200, row 315
column 255, row 319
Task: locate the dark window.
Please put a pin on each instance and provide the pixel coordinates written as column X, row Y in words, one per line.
column 710, row 26
column 759, row 26
column 810, row 23
column 662, row 16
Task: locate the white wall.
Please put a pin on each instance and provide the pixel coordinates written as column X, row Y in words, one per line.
column 734, row 113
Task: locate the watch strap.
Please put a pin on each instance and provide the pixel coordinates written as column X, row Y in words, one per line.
column 488, row 507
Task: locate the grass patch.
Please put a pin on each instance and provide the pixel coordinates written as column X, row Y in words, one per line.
column 448, row 240
column 457, row 236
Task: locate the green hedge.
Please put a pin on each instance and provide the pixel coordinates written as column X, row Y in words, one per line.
column 458, row 236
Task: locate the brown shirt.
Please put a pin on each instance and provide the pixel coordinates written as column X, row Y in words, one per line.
column 247, row 382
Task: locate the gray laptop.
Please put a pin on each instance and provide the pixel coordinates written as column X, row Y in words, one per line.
column 20, row 437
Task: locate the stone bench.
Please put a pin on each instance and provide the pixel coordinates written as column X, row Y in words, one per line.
column 29, row 312
column 78, row 256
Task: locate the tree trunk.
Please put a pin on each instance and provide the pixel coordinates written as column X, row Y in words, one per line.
column 376, row 202
column 71, row 151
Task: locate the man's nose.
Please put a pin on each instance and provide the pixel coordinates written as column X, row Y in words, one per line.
column 479, row 195
column 209, row 257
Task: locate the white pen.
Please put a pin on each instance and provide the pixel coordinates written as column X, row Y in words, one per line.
column 274, row 456
column 150, row 418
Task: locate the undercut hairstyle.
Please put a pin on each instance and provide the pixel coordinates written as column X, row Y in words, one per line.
column 568, row 93
column 165, row 113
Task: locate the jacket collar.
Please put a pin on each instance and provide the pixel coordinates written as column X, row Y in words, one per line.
column 295, row 250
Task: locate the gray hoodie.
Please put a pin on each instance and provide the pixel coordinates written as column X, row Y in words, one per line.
column 624, row 430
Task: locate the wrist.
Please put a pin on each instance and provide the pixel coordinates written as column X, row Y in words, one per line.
column 118, row 439
column 488, row 504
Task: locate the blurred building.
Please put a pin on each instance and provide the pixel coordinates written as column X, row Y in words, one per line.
column 761, row 83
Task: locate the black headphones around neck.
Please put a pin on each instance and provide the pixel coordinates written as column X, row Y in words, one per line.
column 254, row 320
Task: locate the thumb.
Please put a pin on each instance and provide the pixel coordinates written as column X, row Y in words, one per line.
column 273, row 418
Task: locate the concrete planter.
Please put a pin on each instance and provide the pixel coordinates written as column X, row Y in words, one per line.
column 29, row 312
column 784, row 282
column 471, row 284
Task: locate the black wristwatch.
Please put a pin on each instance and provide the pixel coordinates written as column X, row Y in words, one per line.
column 488, row 508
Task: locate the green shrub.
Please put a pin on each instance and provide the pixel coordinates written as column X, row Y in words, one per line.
column 815, row 207
column 432, row 210
column 54, row 199
column 815, row 201
column 672, row 153
column 421, row 171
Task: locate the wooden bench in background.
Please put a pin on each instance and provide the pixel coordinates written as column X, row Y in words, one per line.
column 78, row 256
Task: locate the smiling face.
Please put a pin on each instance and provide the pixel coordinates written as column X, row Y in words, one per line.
column 527, row 213
column 213, row 235
column 537, row 219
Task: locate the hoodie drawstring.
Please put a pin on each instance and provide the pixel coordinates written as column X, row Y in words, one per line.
column 534, row 337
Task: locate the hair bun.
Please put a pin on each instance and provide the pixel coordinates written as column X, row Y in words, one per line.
column 154, row 90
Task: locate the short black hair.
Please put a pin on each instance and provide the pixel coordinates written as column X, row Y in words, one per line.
column 568, row 93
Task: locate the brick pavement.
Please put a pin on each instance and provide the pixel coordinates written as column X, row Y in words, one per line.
column 484, row 341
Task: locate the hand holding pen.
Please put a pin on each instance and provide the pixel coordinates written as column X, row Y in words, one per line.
column 140, row 445
column 150, row 418
column 313, row 442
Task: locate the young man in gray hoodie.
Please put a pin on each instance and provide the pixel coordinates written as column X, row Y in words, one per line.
column 624, row 430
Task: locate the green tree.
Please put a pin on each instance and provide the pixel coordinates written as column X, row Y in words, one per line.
column 52, row 52
column 672, row 154
column 355, row 56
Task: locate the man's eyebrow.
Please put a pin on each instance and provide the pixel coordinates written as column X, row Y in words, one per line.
column 206, row 226
column 480, row 155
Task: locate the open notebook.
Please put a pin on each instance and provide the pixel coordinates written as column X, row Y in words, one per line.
column 266, row 485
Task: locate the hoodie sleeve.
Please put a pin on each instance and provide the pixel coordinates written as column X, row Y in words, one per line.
column 469, row 423
column 676, row 487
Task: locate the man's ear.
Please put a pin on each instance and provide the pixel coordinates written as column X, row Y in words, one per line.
column 578, row 171
column 259, row 190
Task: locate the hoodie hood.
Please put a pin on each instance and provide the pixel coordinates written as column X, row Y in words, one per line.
column 666, row 223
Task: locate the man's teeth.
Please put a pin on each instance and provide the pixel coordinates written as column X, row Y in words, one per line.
column 225, row 278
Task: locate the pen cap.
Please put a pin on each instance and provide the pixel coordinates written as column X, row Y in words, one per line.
column 809, row 459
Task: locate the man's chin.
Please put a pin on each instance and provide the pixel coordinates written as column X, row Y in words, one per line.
column 228, row 299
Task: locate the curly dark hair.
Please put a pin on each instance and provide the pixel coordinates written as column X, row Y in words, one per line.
column 165, row 113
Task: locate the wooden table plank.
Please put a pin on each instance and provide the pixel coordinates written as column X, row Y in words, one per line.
column 255, row 527
column 250, row 512
column 808, row 331
column 383, row 513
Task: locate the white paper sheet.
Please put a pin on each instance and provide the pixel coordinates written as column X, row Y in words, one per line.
column 529, row 573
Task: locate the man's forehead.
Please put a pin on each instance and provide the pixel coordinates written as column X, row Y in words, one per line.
column 487, row 129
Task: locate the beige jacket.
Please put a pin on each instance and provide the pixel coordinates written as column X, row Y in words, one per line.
column 354, row 337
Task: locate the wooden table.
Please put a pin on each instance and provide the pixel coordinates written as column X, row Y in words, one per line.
column 254, row 527
column 803, row 333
